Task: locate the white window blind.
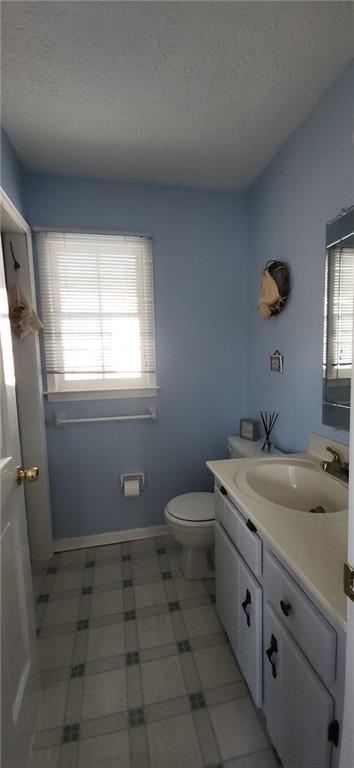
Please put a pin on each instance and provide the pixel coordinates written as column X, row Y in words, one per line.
column 97, row 305
column 339, row 299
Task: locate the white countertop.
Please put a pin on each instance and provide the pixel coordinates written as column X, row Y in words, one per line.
column 314, row 546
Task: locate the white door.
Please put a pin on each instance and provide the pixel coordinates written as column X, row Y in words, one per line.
column 250, row 622
column 19, row 669
column 227, row 585
column 347, row 746
column 298, row 708
column 30, row 403
column 239, row 606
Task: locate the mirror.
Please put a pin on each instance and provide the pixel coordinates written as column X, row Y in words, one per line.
column 338, row 320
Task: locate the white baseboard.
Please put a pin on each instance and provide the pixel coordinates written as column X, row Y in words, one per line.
column 113, row 537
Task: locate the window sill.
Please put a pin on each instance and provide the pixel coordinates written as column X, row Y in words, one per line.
column 109, row 394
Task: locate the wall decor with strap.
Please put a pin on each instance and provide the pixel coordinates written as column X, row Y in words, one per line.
column 275, row 289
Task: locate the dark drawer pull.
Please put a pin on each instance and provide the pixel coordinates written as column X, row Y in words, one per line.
column 273, row 648
column 247, row 601
column 223, row 491
column 286, row 607
column 251, row 526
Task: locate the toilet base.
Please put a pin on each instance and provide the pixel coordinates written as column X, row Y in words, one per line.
column 196, row 563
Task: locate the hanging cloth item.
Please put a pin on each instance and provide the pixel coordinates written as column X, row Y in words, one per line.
column 269, row 296
column 23, row 318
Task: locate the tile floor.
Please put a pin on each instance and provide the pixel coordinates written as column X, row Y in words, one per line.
column 136, row 669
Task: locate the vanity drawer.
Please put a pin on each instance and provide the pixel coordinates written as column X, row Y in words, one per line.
column 304, row 621
column 242, row 533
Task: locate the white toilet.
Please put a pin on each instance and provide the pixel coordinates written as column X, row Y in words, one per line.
column 191, row 518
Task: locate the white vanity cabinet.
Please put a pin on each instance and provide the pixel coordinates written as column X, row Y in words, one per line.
column 298, row 708
column 288, row 651
column 239, row 605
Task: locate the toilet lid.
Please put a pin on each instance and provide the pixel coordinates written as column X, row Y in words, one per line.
column 196, row 507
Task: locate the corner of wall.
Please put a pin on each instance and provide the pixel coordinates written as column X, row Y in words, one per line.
column 13, row 174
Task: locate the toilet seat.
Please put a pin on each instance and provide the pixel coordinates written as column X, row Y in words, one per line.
column 192, row 507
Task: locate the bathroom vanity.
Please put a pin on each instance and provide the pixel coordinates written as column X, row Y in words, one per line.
column 280, row 598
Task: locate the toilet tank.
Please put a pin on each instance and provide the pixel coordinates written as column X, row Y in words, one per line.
column 240, row 448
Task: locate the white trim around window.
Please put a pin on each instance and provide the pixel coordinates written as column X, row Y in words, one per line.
column 97, row 308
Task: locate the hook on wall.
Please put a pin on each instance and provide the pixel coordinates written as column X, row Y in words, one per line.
column 17, row 266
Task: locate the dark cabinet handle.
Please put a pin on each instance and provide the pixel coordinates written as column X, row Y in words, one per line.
column 273, row 648
column 251, row 526
column 223, row 491
column 286, row 607
column 247, row 601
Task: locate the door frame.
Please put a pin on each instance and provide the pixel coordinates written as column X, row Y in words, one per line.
column 29, row 391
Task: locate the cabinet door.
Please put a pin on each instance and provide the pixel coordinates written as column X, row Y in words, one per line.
column 227, row 585
column 250, row 601
column 239, row 605
column 297, row 706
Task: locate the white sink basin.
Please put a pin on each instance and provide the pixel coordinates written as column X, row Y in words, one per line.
column 298, row 485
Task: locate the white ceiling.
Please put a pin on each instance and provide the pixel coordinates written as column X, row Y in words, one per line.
column 188, row 93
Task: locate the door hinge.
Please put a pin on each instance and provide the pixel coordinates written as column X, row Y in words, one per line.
column 349, row 581
column 333, row 732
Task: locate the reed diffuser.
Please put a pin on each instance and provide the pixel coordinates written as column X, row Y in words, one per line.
column 268, row 420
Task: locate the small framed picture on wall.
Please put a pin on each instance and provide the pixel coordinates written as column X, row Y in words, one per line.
column 249, row 429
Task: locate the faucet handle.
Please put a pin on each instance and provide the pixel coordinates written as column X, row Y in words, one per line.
column 335, row 454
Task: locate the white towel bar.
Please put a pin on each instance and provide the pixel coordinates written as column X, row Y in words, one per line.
column 152, row 414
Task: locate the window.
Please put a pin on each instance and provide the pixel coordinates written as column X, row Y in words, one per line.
column 338, row 321
column 97, row 307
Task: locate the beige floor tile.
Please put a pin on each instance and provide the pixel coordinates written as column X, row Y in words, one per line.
column 106, row 641
column 106, row 603
column 55, row 651
column 162, row 679
column 237, row 728
column 264, row 759
column 216, row 666
column 174, row 743
column 61, row 611
column 106, row 573
column 69, row 755
column 145, row 566
column 104, row 694
column 147, row 595
column 139, row 755
column 186, row 589
column 108, row 751
column 109, row 552
column 52, row 706
column 45, row 758
column 174, row 559
column 37, row 580
column 73, row 556
column 155, row 630
column 201, row 620
column 142, row 547
column 71, row 579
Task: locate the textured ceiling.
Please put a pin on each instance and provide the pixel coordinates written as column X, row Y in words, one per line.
column 192, row 93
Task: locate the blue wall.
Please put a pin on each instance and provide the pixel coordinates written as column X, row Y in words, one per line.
column 305, row 186
column 12, row 177
column 200, row 265
column 209, row 251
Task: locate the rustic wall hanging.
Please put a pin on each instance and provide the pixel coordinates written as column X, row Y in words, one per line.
column 275, row 288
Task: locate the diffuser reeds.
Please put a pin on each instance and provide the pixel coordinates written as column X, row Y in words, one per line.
column 268, row 420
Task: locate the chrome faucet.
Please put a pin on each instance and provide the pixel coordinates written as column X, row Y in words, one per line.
column 336, row 467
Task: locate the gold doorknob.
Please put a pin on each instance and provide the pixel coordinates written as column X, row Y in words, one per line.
column 29, row 475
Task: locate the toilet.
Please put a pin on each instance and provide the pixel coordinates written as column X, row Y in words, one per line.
column 191, row 517
column 191, row 520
